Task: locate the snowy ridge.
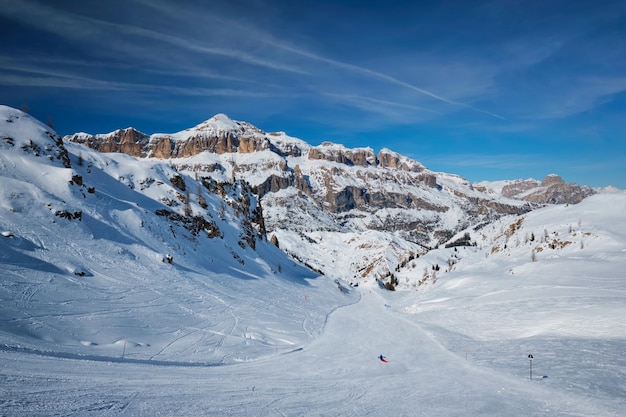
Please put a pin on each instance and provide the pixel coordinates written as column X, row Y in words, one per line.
column 94, row 319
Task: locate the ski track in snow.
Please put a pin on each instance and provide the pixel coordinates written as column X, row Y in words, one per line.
column 337, row 371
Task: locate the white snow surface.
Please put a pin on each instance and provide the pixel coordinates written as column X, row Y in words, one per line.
column 94, row 323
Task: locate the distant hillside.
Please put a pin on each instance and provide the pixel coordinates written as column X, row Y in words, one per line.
column 552, row 190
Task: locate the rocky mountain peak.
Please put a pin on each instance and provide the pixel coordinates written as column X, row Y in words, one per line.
column 223, row 120
column 552, row 190
column 552, row 180
column 221, row 124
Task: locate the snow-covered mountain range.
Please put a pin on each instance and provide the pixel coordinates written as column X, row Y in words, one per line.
column 384, row 208
column 128, row 276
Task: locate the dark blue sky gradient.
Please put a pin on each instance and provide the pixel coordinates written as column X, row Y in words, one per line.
column 485, row 89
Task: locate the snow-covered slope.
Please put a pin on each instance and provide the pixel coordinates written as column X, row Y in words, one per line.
column 94, row 320
column 86, row 251
column 550, row 284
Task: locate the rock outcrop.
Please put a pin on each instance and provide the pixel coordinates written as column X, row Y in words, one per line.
column 337, row 153
column 129, row 141
column 393, row 160
column 552, row 190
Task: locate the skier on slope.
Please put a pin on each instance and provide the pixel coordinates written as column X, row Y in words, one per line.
column 383, row 359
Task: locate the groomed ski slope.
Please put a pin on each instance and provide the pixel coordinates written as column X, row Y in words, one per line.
column 337, row 374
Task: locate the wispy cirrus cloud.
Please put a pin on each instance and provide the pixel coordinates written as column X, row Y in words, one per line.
column 72, row 67
column 395, row 111
column 71, row 82
column 352, row 68
column 577, row 95
column 128, row 38
column 267, row 38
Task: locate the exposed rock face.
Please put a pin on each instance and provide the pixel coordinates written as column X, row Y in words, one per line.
column 161, row 148
column 166, row 147
column 128, row 141
column 430, row 180
column 552, row 180
column 518, row 188
column 275, row 183
column 336, row 153
column 347, row 199
column 389, row 159
column 249, row 145
column 552, row 190
column 300, row 182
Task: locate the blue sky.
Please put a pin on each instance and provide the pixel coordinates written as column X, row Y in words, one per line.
column 488, row 90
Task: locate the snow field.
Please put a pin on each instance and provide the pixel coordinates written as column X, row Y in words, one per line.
column 336, row 374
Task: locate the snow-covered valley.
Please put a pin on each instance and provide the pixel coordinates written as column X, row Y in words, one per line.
column 117, row 311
